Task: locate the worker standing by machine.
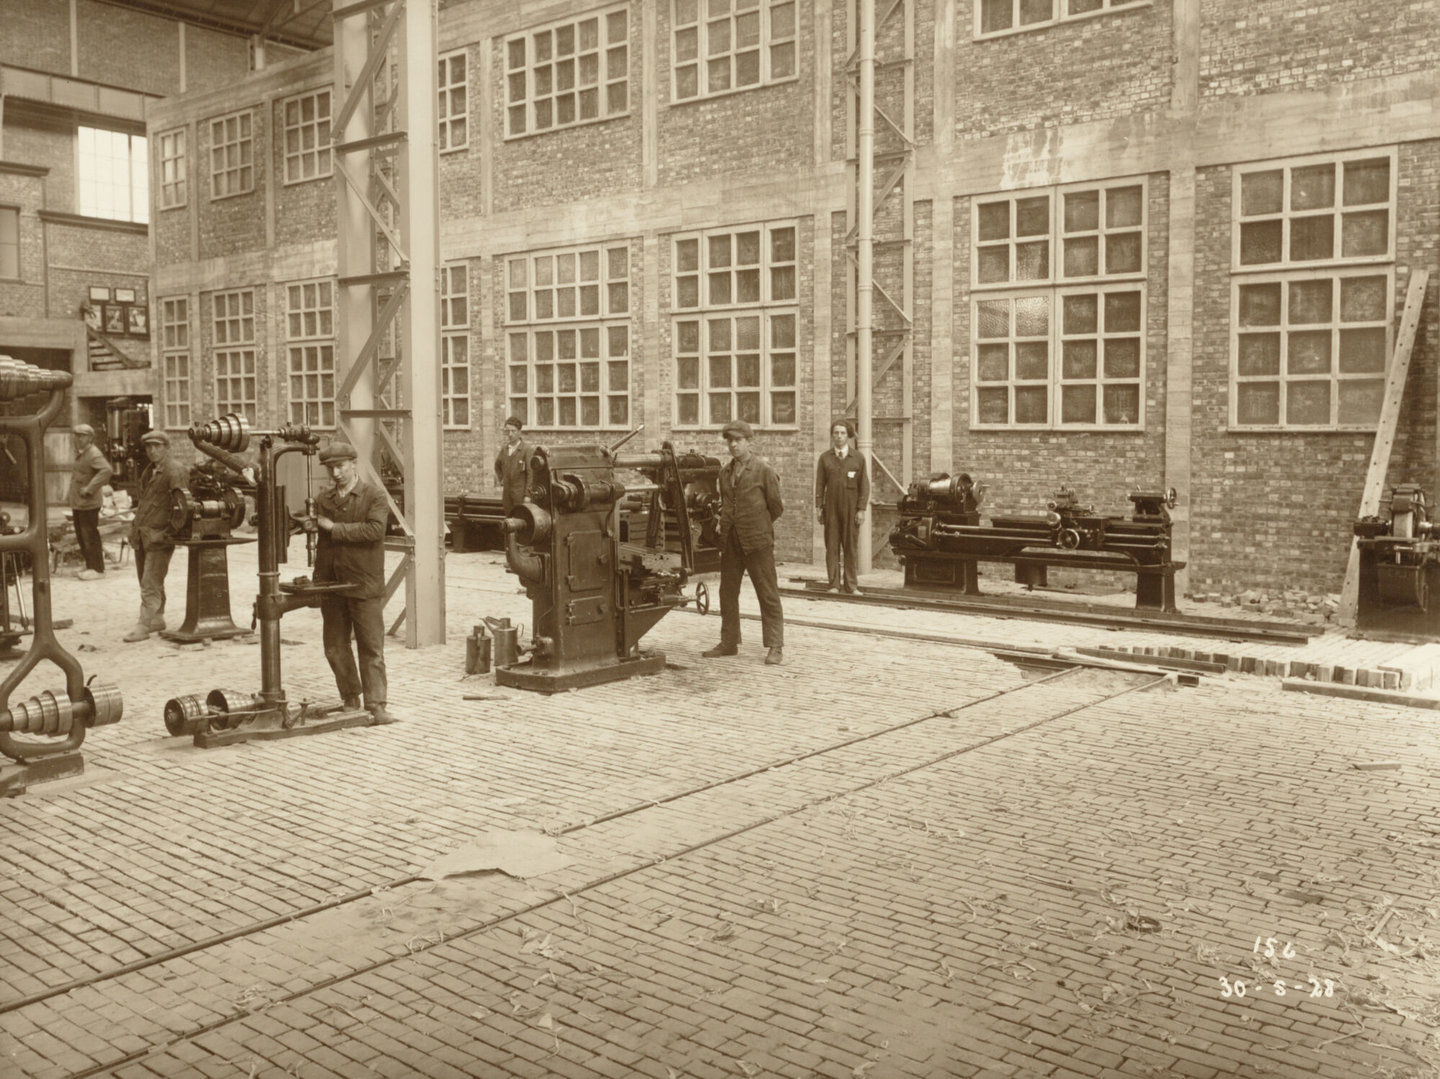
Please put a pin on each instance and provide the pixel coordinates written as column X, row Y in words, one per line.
column 512, row 466
column 842, row 493
column 90, row 472
column 150, row 532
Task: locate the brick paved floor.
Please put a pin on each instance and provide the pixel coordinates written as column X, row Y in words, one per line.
column 960, row 896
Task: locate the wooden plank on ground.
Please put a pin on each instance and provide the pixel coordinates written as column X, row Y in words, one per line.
column 1385, row 433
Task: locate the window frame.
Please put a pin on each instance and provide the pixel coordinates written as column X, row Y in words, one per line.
column 1107, row 7
column 769, row 305
column 310, row 351
column 454, row 333
column 447, row 119
column 1055, row 286
column 6, row 211
column 243, row 348
column 171, row 147
column 603, row 85
column 245, row 127
column 91, row 179
column 767, row 45
column 614, row 278
column 174, row 338
column 321, row 150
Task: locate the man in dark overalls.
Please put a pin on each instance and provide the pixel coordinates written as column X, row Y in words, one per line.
column 842, row 494
column 512, row 466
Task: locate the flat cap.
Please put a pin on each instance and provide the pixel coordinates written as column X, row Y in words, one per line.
column 337, row 451
column 738, row 428
column 841, row 421
column 156, row 436
column 83, row 429
column 515, row 422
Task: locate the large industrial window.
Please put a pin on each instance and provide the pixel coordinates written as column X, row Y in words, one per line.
column 454, row 346
column 175, row 358
column 454, row 104
column 234, row 353
column 114, row 175
column 735, row 323
column 1007, row 16
column 568, row 336
column 9, row 243
column 172, row 169
column 723, row 45
column 310, row 328
column 232, row 156
column 1058, row 308
column 572, row 73
column 1312, row 284
column 307, row 137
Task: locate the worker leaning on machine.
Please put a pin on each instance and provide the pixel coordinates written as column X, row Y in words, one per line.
column 150, row 536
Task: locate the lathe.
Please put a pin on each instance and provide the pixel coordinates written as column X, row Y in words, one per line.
column 1399, row 581
column 939, row 540
column 599, row 580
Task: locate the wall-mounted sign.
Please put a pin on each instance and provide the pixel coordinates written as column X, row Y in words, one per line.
column 137, row 320
column 124, row 295
column 99, row 294
column 114, row 318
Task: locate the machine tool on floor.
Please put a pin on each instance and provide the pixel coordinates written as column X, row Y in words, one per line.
column 59, row 720
column 202, row 519
column 597, row 579
column 226, row 716
column 939, row 540
column 1399, row 581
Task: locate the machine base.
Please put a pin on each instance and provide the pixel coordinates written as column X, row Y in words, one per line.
column 15, row 778
column 270, row 725
column 524, row 676
column 217, row 633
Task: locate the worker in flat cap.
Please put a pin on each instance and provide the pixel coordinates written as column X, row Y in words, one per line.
column 350, row 519
column 749, row 506
column 512, row 465
column 90, row 472
column 842, row 494
column 150, row 536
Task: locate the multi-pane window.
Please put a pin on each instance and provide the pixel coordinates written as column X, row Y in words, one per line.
column 234, row 353
column 1058, row 307
column 454, row 346
column 306, row 131
column 175, row 359
column 172, row 169
column 723, row 45
column 568, row 336
column 568, row 74
column 454, row 104
column 114, row 175
column 1002, row 16
column 9, row 242
column 310, row 329
column 232, row 155
column 735, row 326
column 1312, row 291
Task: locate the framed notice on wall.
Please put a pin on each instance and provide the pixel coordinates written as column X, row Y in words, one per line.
column 137, row 320
column 124, row 295
column 114, row 318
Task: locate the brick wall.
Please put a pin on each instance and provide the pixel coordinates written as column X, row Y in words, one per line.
column 25, row 298
column 81, row 257
column 171, row 228
column 50, row 146
column 235, row 224
column 1087, row 69
column 304, row 211
column 1275, row 510
column 123, row 47
column 1264, row 46
column 268, row 368
column 214, row 60
column 37, row 35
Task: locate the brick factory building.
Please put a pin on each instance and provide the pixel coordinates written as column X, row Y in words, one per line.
column 1118, row 246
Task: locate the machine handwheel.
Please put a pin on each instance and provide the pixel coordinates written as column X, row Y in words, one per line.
column 702, row 599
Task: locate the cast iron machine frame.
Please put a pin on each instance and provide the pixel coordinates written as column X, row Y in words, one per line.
column 939, row 540
column 594, row 591
column 65, row 719
column 202, row 519
column 226, row 717
column 1398, row 594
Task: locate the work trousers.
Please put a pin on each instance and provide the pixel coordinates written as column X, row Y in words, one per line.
column 842, row 537
column 152, row 563
column 734, row 563
column 87, row 536
column 363, row 620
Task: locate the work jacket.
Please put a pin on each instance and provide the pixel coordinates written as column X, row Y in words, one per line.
column 353, row 551
column 842, row 484
column 152, row 511
column 750, row 502
column 512, row 473
column 89, row 473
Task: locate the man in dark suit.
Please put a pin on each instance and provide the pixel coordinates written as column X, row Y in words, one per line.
column 512, row 466
column 842, row 493
column 749, row 506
